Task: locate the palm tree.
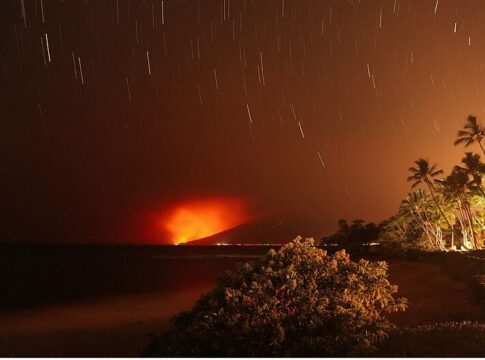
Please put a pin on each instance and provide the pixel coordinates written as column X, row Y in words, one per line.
column 424, row 173
column 414, row 203
column 477, row 203
column 474, row 168
column 417, row 206
column 456, row 188
column 472, row 132
column 396, row 227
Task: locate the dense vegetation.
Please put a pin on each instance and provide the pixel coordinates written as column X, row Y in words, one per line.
column 451, row 339
column 446, row 213
column 352, row 236
column 298, row 301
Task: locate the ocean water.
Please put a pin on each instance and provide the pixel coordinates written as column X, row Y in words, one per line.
column 35, row 275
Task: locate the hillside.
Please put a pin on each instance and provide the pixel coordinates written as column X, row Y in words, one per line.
column 256, row 232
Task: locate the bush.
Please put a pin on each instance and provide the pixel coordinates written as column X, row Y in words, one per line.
column 452, row 339
column 297, row 301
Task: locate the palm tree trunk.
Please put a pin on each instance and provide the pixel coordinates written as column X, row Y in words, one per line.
column 468, row 216
column 461, row 218
column 477, row 220
column 423, row 226
column 470, row 221
column 453, row 239
column 430, row 187
column 481, row 147
column 437, row 233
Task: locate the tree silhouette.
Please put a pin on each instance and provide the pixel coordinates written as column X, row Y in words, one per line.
column 355, row 235
column 424, row 173
column 472, row 132
column 474, row 168
column 417, row 205
column 455, row 188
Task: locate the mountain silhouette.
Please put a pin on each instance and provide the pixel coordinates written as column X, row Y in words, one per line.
column 256, row 232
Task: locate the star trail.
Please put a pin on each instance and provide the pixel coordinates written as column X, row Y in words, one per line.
column 310, row 110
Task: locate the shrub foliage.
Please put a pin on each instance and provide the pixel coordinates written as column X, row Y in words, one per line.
column 297, row 301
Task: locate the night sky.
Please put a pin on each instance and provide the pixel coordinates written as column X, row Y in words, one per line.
column 309, row 110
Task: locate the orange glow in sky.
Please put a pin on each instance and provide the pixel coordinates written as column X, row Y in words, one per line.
column 196, row 219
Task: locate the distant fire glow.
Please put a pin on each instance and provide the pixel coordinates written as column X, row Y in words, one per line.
column 196, row 219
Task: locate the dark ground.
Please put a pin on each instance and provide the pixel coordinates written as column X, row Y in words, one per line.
column 104, row 300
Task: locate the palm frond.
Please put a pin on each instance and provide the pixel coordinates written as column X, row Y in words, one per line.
column 460, row 140
column 415, row 184
column 463, row 133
